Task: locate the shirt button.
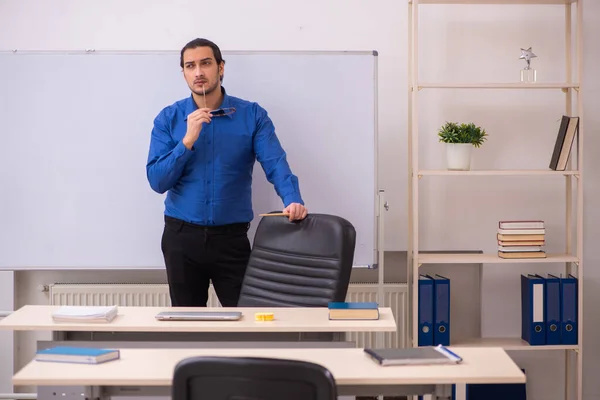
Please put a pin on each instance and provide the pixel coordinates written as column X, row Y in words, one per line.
column 207, row 201
column 208, row 181
column 209, row 142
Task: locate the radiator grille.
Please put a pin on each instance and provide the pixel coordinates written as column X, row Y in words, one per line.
column 120, row 294
column 157, row 295
column 394, row 297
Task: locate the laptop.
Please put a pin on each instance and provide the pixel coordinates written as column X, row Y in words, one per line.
column 199, row 316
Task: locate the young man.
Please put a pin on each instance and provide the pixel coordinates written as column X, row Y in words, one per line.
column 202, row 152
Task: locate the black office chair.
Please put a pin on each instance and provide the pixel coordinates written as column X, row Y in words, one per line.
column 304, row 263
column 232, row 378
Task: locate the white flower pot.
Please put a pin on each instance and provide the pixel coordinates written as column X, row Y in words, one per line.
column 458, row 156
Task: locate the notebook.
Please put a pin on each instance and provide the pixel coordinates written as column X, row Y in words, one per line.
column 199, row 316
column 85, row 314
column 426, row 355
column 78, row 355
column 353, row 310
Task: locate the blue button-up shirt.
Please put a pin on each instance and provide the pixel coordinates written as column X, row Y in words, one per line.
column 211, row 183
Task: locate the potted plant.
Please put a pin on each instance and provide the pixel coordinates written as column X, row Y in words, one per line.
column 460, row 140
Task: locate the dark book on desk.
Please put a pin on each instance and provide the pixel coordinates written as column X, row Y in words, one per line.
column 79, row 355
column 425, row 355
column 353, row 310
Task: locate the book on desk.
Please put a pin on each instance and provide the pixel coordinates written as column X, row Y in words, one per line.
column 95, row 314
column 426, row 355
column 78, row 355
column 353, row 310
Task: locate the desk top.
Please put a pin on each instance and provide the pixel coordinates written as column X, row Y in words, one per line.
column 141, row 319
column 154, row 367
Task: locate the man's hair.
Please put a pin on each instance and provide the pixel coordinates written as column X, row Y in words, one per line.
column 202, row 43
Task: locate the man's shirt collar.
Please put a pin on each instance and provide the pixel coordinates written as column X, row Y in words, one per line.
column 190, row 105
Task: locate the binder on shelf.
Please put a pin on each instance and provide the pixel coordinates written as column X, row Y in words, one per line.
column 533, row 329
column 552, row 309
column 441, row 310
column 426, row 308
column 569, row 310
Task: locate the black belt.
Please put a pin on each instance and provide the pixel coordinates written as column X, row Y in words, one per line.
column 227, row 228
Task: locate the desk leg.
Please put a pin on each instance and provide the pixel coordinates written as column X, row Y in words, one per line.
column 70, row 393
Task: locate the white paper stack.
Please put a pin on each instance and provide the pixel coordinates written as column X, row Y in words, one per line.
column 85, row 314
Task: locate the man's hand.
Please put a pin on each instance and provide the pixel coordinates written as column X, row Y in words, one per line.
column 194, row 126
column 296, row 211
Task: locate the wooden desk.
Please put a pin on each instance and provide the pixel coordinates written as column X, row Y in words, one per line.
column 148, row 372
column 138, row 324
column 141, row 319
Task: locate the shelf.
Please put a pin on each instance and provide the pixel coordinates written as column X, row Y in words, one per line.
column 497, row 2
column 453, row 258
column 515, row 343
column 568, row 257
column 501, row 172
column 508, row 85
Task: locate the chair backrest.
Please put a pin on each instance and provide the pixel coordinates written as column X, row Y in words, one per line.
column 250, row 378
column 303, row 263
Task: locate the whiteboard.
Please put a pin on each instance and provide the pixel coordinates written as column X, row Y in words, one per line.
column 75, row 130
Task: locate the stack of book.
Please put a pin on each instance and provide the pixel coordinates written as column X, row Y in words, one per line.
column 521, row 239
column 85, row 314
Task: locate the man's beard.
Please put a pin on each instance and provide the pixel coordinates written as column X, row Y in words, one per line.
column 207, row 90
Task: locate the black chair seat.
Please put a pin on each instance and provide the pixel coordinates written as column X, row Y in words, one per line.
column 251, row 378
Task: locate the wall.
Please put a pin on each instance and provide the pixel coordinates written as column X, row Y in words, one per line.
column 459, row 42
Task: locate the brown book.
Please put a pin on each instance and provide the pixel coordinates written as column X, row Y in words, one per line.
column 353, row 310
column 519, row 238
column 522, row 254
column 521, row 224
column 541, row 231
column 517, row 243
column 564, row 141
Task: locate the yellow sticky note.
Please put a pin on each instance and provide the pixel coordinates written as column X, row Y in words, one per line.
column 264, row 316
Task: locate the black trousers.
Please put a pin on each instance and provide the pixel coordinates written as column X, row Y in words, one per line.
column 195, row 255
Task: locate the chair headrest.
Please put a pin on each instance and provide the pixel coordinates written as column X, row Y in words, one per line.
column 317, row 234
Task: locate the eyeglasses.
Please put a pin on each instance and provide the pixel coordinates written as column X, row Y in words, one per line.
column 222, row 112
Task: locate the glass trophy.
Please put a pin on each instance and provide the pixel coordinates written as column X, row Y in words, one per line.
column 528, row 74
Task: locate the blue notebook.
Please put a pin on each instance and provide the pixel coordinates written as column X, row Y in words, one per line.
column 79, row 355
column 353, row 310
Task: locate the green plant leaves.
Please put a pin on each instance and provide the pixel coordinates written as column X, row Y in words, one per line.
column 452, row 132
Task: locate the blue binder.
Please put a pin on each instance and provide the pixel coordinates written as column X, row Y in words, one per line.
column 533, row 329
column 552, row 309
column 569, row 310
column 441, row 313
column 425, row 311
column 500, row 391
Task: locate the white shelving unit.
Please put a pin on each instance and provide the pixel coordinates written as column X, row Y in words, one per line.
column 573, row 250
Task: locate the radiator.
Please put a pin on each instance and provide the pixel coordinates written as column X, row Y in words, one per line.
column 157, row 295
column 395, row 297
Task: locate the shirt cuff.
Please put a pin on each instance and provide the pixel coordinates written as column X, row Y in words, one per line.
column 292, row 198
